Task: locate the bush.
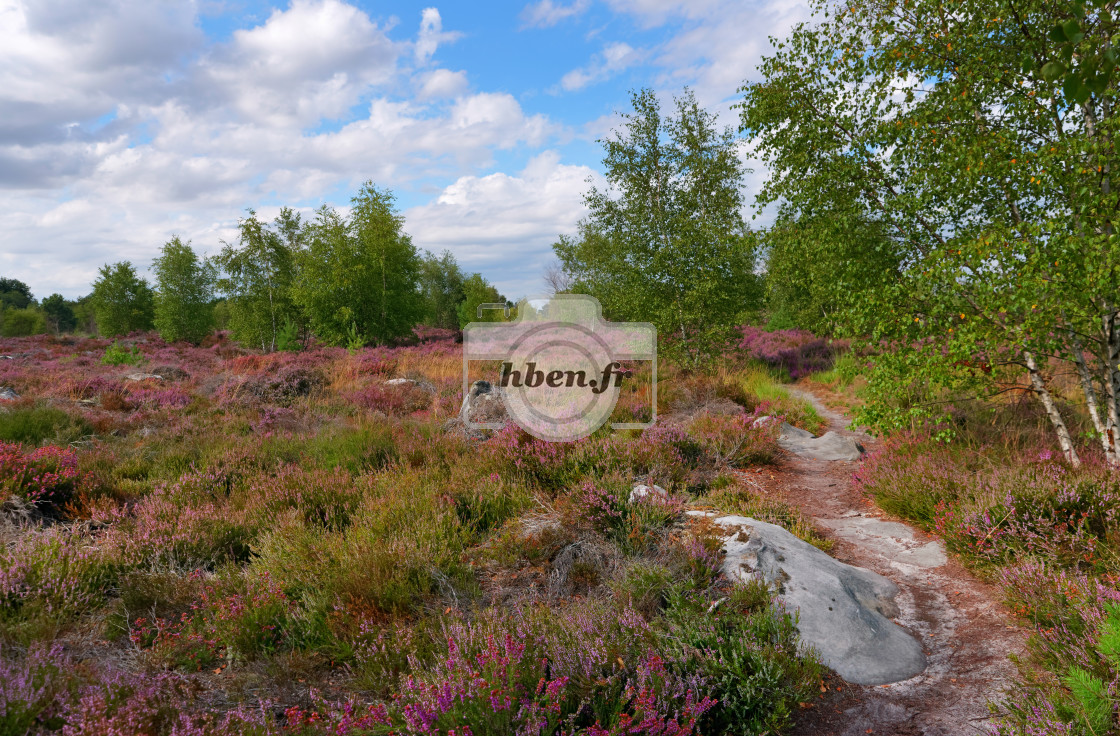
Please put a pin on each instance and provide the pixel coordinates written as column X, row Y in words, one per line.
column 46, row 478
column 31, row 425
column 117, row 355
column 798, row 352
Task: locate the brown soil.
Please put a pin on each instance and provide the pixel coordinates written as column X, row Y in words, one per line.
column 968, row 635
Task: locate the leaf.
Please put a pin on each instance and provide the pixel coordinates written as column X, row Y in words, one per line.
column 1053, row 70
column 1072, row 31
column 1091, row 697
column 1057, row 34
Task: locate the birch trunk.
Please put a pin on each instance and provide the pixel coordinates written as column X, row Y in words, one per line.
column 1038, row 386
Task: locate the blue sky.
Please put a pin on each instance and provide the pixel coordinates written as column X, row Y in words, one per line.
column 125, row 122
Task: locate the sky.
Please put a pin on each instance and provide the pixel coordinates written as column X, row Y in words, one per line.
column 126, row 122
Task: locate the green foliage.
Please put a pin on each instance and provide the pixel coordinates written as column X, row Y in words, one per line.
column 257, row 277
column 477, row 291
column 818, row 267
column 184, row 290
column 123, row 301
column 666, row 242
column 22, row 322
column 287, row 338
column 1003, row 223
column 1083, row 55
column 59, row 313
column 749, row 653
column 441, row 284
column 1093, row 701
column 361, row 272
column 14, row 294
column 115, row 354
column 31, row 425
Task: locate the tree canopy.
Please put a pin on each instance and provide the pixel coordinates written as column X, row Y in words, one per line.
column 665, row 242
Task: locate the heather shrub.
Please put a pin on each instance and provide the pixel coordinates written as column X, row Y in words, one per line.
column 393, row 399
column 46, row 478
column 798, row 352
column 747, row 655
column 388, row 559
column 33, row 424
column 33, row 690
column 605, row 506
column 734, row 440
column 49, row 577
column 910, row 476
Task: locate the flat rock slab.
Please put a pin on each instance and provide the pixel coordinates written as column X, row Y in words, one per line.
column 843, row 611
column 829, row 446
column 891, row 540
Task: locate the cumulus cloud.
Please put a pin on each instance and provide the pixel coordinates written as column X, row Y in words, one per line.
column 441, row 83
column 614, row 58
column 546, row 13
column 431, row 35
column 107, row 148
column 504, row 225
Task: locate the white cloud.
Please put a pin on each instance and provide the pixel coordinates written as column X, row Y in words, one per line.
column 239, row 123
column 503, row 225
column 441, row 83
column 614, row 58
column 431, row 35
column 546, row 13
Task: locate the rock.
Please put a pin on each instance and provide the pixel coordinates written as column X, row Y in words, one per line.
column 479, row 388
column 829, row 446
column 8, row 394
column 788, row 430
column 764, row 420
column 640, row 491
column 843, row 611
column 399, row 381
column 143, row 377
column 893, row 541
column 170, row 373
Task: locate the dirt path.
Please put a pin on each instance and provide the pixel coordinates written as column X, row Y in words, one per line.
column 966, row 634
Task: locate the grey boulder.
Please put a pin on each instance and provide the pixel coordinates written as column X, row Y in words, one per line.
column 8, row 394
column 829, row 446
column 843, row 611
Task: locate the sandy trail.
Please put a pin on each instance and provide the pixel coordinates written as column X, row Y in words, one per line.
column 966, row 633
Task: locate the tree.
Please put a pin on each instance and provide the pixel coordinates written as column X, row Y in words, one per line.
column 122, row 300
column 359, row 278
column 441, row 284
column 818, row 267
column 666, row 242
column 476, row 291
column 14, row 293
column 994, row 184
column 257, row 277
column 59, row 313
column 184, row 290
column 22, row 322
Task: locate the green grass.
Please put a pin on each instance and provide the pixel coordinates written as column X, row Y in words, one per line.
column 34, row 424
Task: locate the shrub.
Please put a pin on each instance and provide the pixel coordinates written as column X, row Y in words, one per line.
column 34, row 424
column 115, row 354
column 798, row 352
column 45, row 478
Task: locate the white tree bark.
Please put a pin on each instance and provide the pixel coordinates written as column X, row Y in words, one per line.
column 1038, row 386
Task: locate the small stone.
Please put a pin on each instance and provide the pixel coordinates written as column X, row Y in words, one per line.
column 8, row 394
column 640, row 491
column 143, row 377
column 399, row 381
